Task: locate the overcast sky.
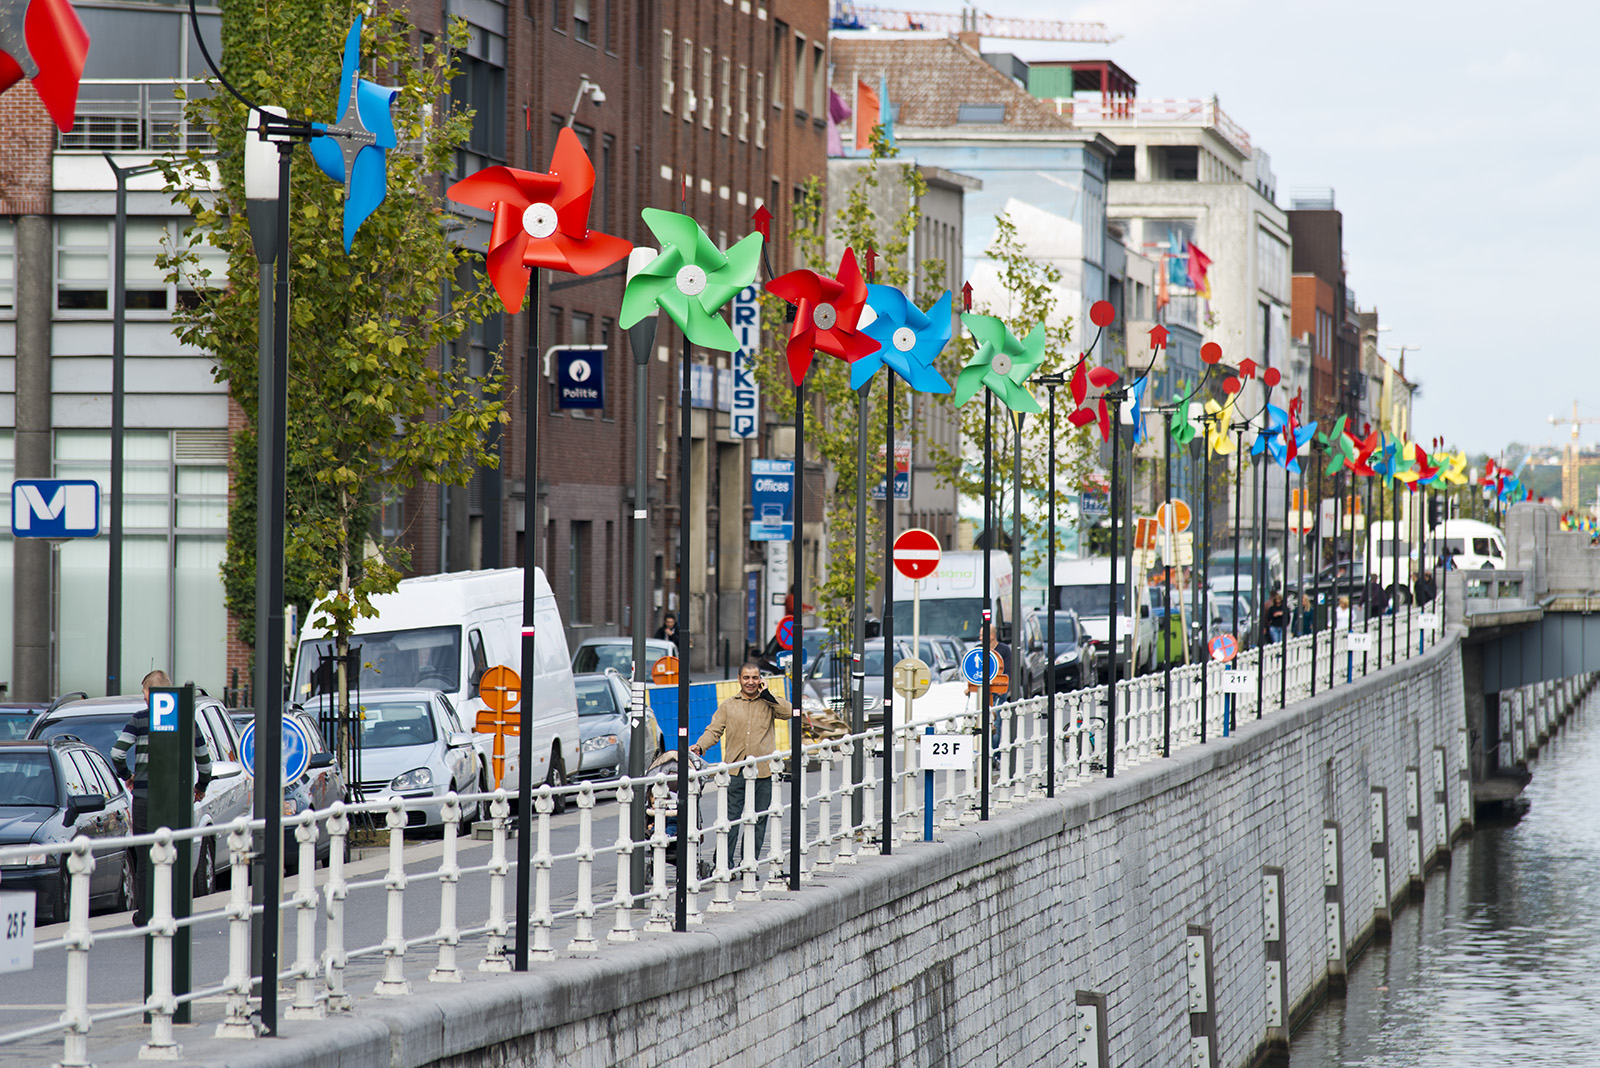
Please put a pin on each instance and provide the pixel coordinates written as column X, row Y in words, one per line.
column 1461, row 142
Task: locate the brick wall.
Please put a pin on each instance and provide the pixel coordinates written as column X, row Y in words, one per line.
column 27, row 137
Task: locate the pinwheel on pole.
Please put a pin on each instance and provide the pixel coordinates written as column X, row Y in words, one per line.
column 691, row 281
column 43, row 41
column 1268, row 421
column 353, row 149
column 827, row 319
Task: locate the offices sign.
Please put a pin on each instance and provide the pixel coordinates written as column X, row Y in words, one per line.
column 772, row 500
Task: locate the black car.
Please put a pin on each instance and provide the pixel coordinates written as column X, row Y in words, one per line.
column 1069, row 660
column 53, row 791
column 828, row 681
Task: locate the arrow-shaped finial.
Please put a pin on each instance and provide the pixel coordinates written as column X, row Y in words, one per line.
column 763, row 222
column 872, row 264
column 1158, row 337
column 966, row 296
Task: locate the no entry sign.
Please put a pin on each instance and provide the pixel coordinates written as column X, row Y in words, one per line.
column 916, row 553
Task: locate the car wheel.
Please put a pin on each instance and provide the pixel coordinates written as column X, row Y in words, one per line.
column 123, row 902
column 205, row 868
column 556, row 778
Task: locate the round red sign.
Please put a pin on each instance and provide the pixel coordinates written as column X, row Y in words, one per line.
column 916, row 553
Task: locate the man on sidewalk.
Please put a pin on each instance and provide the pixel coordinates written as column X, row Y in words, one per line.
column 746, row 724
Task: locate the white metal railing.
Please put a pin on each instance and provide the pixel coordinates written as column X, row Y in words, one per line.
column 582, row 875
column 1146, row 111
column 134, row 115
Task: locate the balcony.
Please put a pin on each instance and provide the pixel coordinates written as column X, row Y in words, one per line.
column 1087, row 111
column 131, row 115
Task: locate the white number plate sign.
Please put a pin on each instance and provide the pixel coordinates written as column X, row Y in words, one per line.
column 946, row 751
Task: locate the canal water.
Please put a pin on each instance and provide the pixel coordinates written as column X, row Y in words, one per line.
column 1500, row 963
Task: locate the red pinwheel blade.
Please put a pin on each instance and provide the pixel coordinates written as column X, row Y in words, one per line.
column 1101, row 377
column 1080, row 417
column 1080, row 386
column 505, row 265
column 562, row 253
column 1105, row 422
column 10, row 73
column 797, row 286
column 571, row 167
column 799, row 352
column 59, row 44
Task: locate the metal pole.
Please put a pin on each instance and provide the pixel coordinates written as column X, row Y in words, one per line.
column 1316, row 566
column 1338, row 580
column 1258, row 570
column 1050, row 609
column 1111, row 589
column 1016, row 580
column 858, row 710
column 888, row 618
column 119, row 318
column 1166, row 618
column 686, row 860
column 531, row 530
column 988, row 608
column 642, row 337
column 1288, row 609
column 797, row 656
column 1205, row 588
column 1366, row 536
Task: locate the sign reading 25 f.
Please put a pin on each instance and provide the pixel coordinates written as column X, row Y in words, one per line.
column 55, row 508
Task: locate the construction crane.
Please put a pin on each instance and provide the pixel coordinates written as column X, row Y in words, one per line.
column 1570, row 457
column 848, row 16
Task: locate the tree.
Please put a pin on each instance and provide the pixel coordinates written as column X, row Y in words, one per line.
column 379, row 400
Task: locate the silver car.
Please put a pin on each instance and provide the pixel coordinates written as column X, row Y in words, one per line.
column 413, row 745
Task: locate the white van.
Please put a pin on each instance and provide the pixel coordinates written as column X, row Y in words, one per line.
column 952, row 597
column 442, row 632
column 1392, row 558
column 1081, row 587
column 1473, row 545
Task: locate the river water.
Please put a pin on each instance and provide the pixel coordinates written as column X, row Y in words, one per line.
column 1500, row 963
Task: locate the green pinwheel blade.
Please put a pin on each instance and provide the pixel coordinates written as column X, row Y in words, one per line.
column 1029, row 357
column 987, row 329
column 684, row 234
column 1012, row 394
column 644, row 290
column 743, row 260
column 709, row 330
column 969, row 381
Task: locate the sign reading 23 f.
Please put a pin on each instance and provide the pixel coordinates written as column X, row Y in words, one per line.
column 55, row 508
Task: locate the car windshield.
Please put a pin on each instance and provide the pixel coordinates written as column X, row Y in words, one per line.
column 960, row 616
column 396, row 723
column 592, row 659
column 99, row 731
column 15, row 722
column 27, row 779
column 831, row 665
column 425, row 658
column 595, row 697
column 1090, row 600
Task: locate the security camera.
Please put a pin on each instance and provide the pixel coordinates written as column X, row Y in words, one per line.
column 598, row 95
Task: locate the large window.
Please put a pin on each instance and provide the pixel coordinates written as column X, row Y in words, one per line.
column 84, row 249
column 481, row 86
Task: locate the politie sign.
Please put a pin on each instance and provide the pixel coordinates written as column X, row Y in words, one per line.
column 772, row 500
column 580, row 376
column 55, row 508
column 745, row 414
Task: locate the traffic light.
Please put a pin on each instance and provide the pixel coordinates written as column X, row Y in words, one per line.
column 1435, row 511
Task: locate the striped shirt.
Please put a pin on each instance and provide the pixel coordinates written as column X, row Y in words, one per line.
column 132, row 738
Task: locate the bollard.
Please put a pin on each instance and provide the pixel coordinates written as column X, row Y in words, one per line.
column 337, row 888
column 305, row 1005
column 494, row 956
column 583, row 940
column 162, row 1003
column 393, row 982
column 449, row 936
column 622, row 925
column 75, row 1016
column 236, row 1023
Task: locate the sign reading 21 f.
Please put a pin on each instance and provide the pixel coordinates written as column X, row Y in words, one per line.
column 55, row 508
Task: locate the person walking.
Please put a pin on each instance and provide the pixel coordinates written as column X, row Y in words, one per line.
column 668, row 631
column 746, row 724
column 1276, row 617
column 130, row 759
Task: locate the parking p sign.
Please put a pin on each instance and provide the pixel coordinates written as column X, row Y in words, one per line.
column 163, row 713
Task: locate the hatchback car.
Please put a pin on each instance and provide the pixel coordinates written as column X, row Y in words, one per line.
column 594, row 655
column 52, row 792
column 99, row 720
column 605, row 730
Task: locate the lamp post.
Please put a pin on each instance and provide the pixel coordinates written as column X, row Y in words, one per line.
column 641, row 339
column 1051, row 383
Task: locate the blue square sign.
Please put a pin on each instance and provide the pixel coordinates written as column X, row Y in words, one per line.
column 163, row 713
column 580, row 376
column 55, row 508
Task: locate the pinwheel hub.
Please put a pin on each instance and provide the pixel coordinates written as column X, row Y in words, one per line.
column 905, row 339
column 1001, row 364
column 825, row 315
column 691, row 280
column 539, row 220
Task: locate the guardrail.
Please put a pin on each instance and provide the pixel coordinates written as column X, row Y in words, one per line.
column 134, row 115
column 723, row 869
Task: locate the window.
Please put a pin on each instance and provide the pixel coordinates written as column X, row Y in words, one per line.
column 744, row 102
column 688, row 80
column 1272, row 265
column 222, row 747
column 1122, row 165
column 580, row 20
column 555, row 15
column 480, row 86
column 799, row 75
column 761, row 111
column 602, row 183
column 83, row 266
column 8, row 266
column 581, row 322
column 480, row 661
column 819, row 82
column 1175, row 163
column 727, row 100
column 577, row 569
column 669, row 89
column 780, row 39
column 77, row 775
column 981, row 113
column 707, row 101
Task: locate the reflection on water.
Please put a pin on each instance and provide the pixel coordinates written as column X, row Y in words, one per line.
column 1500, row 964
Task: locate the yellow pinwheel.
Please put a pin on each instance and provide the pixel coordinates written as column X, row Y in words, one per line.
column 1219, row 431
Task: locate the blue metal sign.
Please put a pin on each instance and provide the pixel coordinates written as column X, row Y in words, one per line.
column 580, row 377
column 752, row 607
column 772, row 500
column 55, row 508
column 972, row 666
column 163, row 713
column 745, row 412
column 296, row 750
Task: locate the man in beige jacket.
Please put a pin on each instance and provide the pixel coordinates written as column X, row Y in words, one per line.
column 746, row 725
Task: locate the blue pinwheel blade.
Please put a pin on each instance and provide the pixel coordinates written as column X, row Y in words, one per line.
column 375, row 108
column 352, row 60
column 369, row 177
column 862, row 370
column 328, row 155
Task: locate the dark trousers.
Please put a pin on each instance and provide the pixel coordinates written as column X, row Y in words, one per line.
column 141, row 861
column 736, row 810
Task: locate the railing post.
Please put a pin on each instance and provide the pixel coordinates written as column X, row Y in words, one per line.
column 689, row 809
column 542, row 919
column 776, row 880
column 622, row 926
column 333, row 954
column 824, row 861
column 394, row 982
column 846, row 853
column 660, row 919
column 75, row 1015
column 305, row 1005
column 162, row 1004
column 494, row 957
column 236, row 1023
column 583, row 940
column 449, row 936
column 749, row 863
column 722, row 892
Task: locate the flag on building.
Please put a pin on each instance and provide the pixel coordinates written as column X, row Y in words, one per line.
column 1177, row 259
column 888, row 109
column 1199, row 263
column 866, row 114
column 838, row 111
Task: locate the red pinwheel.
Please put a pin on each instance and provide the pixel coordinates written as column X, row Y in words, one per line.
column 827, row 313
column 43, row 40
column 540, row 220
column 1089, row 385
column 1361, row 463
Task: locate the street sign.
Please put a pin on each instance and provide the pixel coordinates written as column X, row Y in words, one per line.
column 1224, row 647
column 916, row 553
column 946, row 752
column 1179, row 509
column 972, row 666
column 1428, row 620
column 1238, row 681
column 1358, row 642
column 16, row 931
column 500, row 688
column 163, row 713
column 55, row 508
column 664, row 672
column 902, row 473
column 772, row 500
column 296, row 750
column 744, row 415
column 580, row 376
column 1145, row 534
column 784, row 635
column 911, row 678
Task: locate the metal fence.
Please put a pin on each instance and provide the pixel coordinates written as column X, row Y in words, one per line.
column 132, row 115
column 582, row 876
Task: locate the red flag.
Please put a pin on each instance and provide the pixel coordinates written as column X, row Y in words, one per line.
column 866, row 113
column 1199, row 262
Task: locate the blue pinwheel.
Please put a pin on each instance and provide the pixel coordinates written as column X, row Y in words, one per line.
column 909, row 339
column 1269, row 438
column 1135, row 411
column 353, row 149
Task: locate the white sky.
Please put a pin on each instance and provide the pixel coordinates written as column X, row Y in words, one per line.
column 1462, row 141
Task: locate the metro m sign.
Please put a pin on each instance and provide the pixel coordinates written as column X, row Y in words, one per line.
column 745, row 415
column 55, row 508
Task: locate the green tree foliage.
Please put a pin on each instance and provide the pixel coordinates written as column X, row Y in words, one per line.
column 378, row 402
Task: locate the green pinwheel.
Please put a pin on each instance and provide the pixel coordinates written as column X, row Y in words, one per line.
column 690, row 280
column 1341, row 449
column 1002, row 364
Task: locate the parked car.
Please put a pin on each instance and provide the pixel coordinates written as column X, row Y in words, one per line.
column 596, row 655
column 53, row 791
column 414, row 746
column 605, row 727
column 99, row 720
column 1344, row 578
column 16, row 717
column 775, row 661
column 827, row 681
column 942, row 664
column 319, row 786
column 1069, row 660
column 1081, row 587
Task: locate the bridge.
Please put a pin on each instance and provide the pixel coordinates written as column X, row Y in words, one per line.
column 1181, row 885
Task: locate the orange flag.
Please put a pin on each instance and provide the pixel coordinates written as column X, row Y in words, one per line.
column 866, row 113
